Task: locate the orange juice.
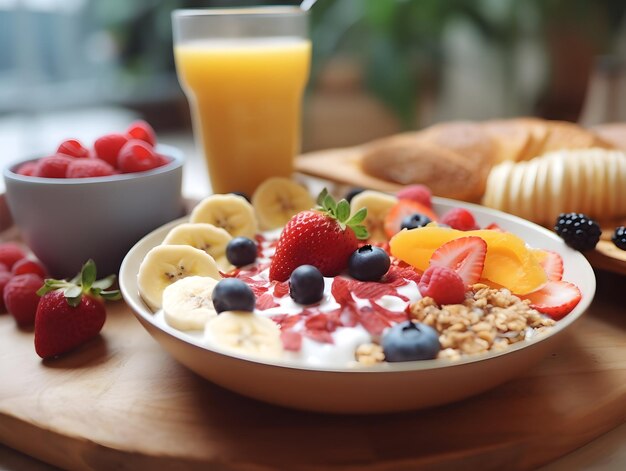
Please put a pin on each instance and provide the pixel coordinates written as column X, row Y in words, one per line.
column 245, row 96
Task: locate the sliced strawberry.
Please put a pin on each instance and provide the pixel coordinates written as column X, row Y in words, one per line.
column 402, row 209
column 465, row 255
column 556, row 298
column 552, row 263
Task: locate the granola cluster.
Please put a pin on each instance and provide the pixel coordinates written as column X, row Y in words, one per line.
column 488, row 319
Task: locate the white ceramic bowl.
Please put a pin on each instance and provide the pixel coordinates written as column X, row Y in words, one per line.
column 386, row 387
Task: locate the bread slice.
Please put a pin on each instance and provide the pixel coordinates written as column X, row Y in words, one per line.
column 613, row 134
column 407, row 159
column 511, row 138
column 466, row 138
column 566, row 135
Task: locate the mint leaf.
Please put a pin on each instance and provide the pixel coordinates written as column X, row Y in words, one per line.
column 358, row 217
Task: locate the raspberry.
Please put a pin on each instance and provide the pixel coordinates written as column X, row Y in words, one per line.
column 442, row 284
column 460, row 219
column 21, row 299
column 87, row 168
column 54, row 166
column 418, row 193
column 73, row 148
column 27, row 169
column 28, row 266
column 5, row 276
column 10, row 253
column 143, row 131
column 137, row 156
column 578, row 230
column 108, row 147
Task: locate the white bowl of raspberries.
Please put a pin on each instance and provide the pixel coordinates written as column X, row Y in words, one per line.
column 94, row 202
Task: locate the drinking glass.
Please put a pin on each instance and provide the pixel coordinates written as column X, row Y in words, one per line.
column 243, row 71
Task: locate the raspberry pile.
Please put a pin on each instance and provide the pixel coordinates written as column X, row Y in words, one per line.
column 129, row 152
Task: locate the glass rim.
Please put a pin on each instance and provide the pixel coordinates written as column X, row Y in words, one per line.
column 258, row 11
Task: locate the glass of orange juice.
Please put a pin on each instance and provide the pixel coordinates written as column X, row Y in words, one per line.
column 244, row 72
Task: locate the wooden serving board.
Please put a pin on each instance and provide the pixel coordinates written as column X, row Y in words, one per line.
column 121, row 402
column 342, row 166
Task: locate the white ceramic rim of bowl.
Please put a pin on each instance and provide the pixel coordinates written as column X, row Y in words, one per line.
column 174, row 153
column 139, row 308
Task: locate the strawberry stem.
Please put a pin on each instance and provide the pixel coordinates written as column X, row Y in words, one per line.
column 342, row 213
column 83, row 283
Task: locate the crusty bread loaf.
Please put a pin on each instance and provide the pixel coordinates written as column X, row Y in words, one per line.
column 456, row 158
column 406, row 160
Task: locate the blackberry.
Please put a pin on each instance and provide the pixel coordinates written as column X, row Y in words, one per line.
column 619, row 237
column 578, row 230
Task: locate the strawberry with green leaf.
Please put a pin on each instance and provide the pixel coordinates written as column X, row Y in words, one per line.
column 71, row 312
column 324, row 237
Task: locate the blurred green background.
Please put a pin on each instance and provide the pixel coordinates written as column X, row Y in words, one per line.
column 379, row 66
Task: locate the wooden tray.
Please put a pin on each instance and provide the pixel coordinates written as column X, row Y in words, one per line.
column 342, row 167
column 121, row 402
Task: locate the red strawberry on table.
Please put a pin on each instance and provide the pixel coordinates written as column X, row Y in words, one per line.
column 324, row 238
column 71, row 312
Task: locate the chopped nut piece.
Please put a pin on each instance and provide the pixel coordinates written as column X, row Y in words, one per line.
column 369, row 354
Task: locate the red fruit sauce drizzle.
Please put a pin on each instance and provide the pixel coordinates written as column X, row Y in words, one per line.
column 317, row 325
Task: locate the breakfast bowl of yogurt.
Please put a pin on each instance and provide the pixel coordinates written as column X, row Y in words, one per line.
column 264, row 299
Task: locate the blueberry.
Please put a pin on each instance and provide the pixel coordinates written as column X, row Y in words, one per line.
column 241, row 251
column 368, row 263
column 231, row 294
column 353, row 192
column 414, row 221
column 408, row 341
column 306, row 285
column 242, row 194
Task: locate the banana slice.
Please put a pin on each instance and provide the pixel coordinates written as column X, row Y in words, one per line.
column 207, row 237
column 378, row 205
column 166, row 264
column 230, row 212
column 187, row 303
column 277, row 199
column 246, row 333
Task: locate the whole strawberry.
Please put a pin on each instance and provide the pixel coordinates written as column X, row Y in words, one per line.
column 324, row 237
column 71, row 312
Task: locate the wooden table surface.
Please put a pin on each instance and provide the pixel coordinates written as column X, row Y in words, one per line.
column 592, row 374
